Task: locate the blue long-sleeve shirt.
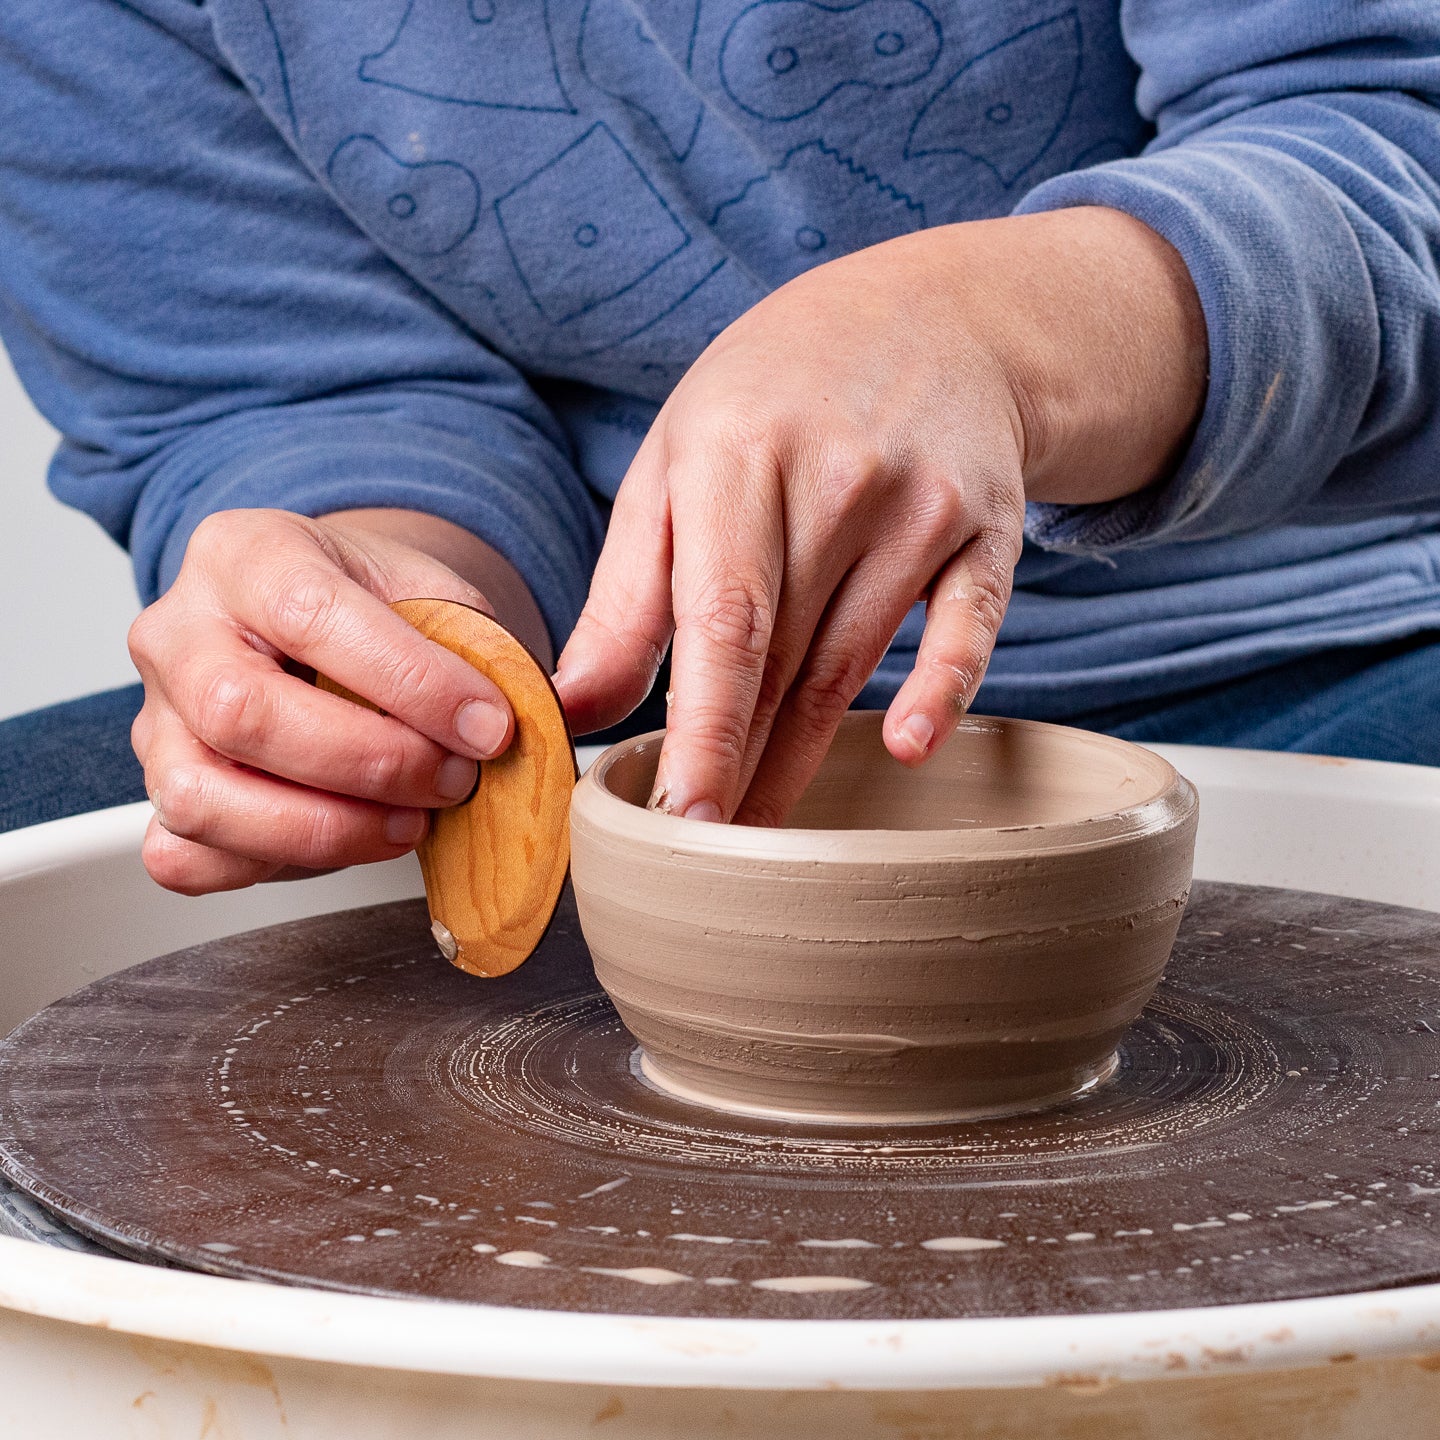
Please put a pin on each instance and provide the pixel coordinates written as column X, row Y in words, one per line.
column 451, row 255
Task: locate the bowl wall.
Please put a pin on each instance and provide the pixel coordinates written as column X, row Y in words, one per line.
column 883, row 967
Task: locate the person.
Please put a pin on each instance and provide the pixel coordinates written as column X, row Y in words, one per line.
column 841, row 350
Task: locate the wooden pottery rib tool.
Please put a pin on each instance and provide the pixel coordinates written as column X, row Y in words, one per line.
column 495, row 865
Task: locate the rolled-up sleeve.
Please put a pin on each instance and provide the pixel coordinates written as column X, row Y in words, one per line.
column 1296, row 169
column 208, row 330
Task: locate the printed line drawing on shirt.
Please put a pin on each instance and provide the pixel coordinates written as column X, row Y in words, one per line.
column 587, row 226
column 273, row 70
column 659, row 351
column 981, row 113
column 520, row 332
column 815, row 205
column 493, row 313
column 423, row 208
column 606, row 330
column 619, row 55
column 782, row 59
column 473, row 52
column 720, row 266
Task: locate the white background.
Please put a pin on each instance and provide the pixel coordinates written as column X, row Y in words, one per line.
column 66, row 595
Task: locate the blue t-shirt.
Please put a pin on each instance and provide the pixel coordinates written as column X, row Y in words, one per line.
column 451, row 255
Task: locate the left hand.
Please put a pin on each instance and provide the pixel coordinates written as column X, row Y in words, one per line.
column 861, row 439
column 255, row 774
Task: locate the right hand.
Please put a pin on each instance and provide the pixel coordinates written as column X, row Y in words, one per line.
column 252, row 771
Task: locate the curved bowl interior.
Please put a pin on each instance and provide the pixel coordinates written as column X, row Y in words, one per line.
column 992, row 775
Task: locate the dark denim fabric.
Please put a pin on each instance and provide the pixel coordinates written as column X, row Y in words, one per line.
column 1376, row 703
column 69, row 758
column 1370, row 703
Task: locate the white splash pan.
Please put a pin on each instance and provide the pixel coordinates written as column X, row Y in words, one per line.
column 94, row 1347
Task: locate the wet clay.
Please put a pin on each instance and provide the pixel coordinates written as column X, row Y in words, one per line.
column 961, row 941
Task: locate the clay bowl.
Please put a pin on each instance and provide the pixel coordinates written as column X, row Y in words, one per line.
column 961, row 941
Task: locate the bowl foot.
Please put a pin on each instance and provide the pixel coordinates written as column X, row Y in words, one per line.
column 644, row 1067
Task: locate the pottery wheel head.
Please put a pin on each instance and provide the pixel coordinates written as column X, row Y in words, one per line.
column 326, row 1102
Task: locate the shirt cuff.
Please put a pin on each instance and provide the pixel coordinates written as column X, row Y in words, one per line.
column 1293, row 333
column 532, row 509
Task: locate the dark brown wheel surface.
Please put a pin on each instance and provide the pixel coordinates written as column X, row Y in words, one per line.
column 328, row 1103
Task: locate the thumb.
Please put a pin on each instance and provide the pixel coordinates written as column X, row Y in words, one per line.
column 610, row 662
column 394, row 560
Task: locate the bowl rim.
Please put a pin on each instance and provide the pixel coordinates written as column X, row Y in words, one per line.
column 597, row 810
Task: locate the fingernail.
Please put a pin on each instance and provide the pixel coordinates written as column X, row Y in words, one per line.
column 918, row 732
column 455, row 778
column 404, row 827
column 704, row 810
column 482, row 727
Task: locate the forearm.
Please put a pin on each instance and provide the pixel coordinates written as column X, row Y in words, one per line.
column 1310, row 223
column 1096, row 325
column 471, row 558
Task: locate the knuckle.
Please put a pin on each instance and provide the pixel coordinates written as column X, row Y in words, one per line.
column 960, row 665
column 736, row 424
column 1010, row 526
column 416, row 671
column 225, row 534
column 773, row 687
column 852, row 464
column 232, row 714
column 638, row 640
column 142, row 728
column 302, row 605
column 1001, row 539
column 715, row 735
column 736, row 617
column 831, row 684
column 764, row 812
column 141, row 636
column 166, row 865
column 957, row 677
column 320, row 836
column 1004, row 491
column 381, row 769
column 212, row 533
column 988, row 602
column 181, row 799
column 938, row 516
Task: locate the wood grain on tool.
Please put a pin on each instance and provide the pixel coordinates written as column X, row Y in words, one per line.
column 495, row 865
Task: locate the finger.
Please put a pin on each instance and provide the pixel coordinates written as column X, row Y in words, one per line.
column 290, row 592
column 729, row 563
column 191, row 869
column 610, row 662
column 841, row 511
column 962, row 619
column 857, row 629
column 807, row 590
column 242, row 705
column 141, row 728
column 202, row 797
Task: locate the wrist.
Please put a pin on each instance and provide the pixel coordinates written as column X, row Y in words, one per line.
column 1094, row 321
column 471, row 558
